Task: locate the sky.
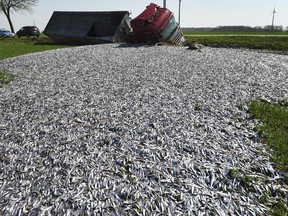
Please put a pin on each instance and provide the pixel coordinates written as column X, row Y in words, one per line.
column 194, row 13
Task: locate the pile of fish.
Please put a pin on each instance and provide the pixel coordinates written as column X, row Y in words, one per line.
column 138, row 130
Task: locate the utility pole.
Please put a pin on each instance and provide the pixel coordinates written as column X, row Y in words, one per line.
column 179, row 13
column 274, row 11
column 164, row 3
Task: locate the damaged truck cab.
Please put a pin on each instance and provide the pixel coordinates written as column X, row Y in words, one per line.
column 156, row 24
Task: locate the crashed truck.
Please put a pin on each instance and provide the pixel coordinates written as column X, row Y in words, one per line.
column 153, row 25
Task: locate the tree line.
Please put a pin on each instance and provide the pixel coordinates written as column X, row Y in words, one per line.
column 268, row 28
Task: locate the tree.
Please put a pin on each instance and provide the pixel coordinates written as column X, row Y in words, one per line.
column 8, row 6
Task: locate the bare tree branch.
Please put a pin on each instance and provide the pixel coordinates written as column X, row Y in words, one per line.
column 7, row 6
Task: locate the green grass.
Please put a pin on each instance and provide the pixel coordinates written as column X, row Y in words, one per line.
column 235, row 33
column 5, row 78
column 279, row 209
column 252, row 42
column 274, row 130
column 11, row 47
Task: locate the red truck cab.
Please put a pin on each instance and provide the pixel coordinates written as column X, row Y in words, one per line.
column 156, row 24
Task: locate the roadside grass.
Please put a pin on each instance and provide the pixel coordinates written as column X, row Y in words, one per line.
column 235, row 33
column 5, row 78
column 279, row 44
column 274, row 130
column 11, row 47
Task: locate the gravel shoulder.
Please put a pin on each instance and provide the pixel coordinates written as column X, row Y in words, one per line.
column 136, row 130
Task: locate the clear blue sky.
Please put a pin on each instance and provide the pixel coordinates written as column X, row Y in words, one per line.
column 194, row 13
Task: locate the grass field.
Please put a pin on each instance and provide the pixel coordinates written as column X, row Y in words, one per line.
column 236, row 33
column 11, row 47
column 274, row 130
column 5, row 78
column 278, row 44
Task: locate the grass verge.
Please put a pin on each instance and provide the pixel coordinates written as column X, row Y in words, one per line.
column 273, row 43
column 11, row 47
column 5, row 78
column 235, row 33
column 274, row 130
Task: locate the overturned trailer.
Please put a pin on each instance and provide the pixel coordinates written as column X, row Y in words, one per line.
column 154, row 24
column 89, row 27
